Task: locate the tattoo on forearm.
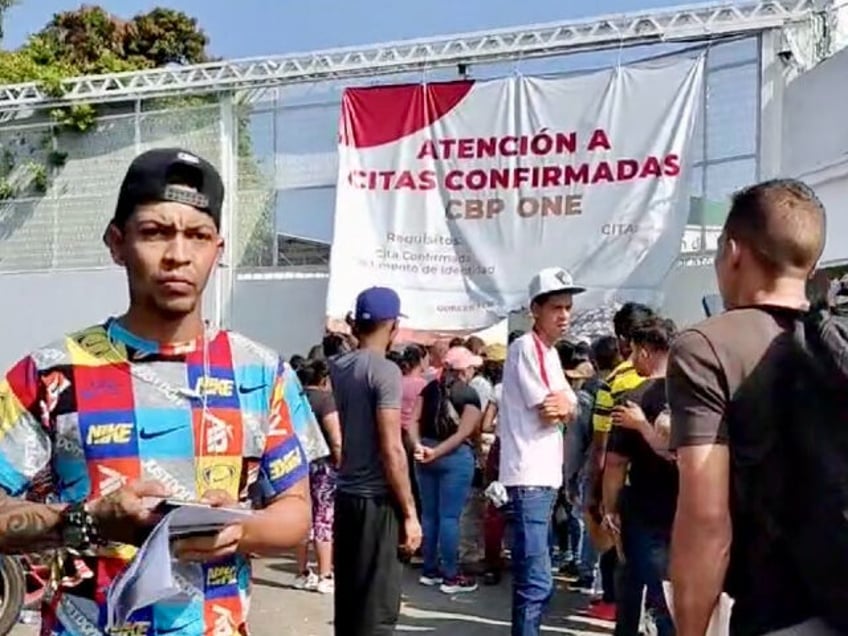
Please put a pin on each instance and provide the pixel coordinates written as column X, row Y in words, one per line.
column 28, row 526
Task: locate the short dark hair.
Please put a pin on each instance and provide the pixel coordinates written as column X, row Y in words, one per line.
column 456, row 342
column 316, row 353
column 475, row 344
column 333, row 344
column 782, row 221
column 605, row 352
column 565, row 351
column 493, row 371
column 630, row 315
column 395, row 356
column 297, row 361
column 583, row 349
column 656, row 333
column 364, row 328
column 314, row 372
column 572, row 353
column 411, row 357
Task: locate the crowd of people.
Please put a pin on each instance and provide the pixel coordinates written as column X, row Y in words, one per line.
column 593, row 455
column 451, row 398
column 713, row 458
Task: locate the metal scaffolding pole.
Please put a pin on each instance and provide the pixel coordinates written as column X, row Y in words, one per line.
column 772, row 84
column 225, row 280
column 688, row 23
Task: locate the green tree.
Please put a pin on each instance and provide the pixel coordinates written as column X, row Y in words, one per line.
column 166, row 36
column 90, row 40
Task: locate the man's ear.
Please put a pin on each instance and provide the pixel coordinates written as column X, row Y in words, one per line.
column 114, row 239
column 734, row 253
column 221, row 246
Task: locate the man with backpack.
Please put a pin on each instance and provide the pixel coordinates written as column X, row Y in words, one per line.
column 757, row 423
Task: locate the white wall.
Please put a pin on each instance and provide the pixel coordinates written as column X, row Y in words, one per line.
column 814, row 130
column 39, row 308
column 815, row 144
column 684, row 289
column 286, row 315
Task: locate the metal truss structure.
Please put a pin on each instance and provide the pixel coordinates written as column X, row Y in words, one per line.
column 689, row 23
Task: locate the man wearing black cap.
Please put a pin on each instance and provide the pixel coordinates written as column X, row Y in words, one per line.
column 375, row 514
column 148, row 405
column 166, row 193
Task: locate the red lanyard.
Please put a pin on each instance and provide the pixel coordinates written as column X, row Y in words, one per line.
column 540, row 354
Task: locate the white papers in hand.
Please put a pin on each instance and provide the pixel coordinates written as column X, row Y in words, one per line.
column 149, row 577
column 200, row 518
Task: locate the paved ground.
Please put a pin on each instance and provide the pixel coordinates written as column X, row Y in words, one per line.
column 278, row 610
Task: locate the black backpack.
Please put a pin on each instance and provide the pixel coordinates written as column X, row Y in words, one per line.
column 811, row 513
column 446, row 422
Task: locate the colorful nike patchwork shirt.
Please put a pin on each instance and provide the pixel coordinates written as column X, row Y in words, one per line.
column 101, row 408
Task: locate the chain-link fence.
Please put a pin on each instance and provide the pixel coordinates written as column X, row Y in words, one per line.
column 58, row 188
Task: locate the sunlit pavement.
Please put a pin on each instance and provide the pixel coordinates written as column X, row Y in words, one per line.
column 279, row 610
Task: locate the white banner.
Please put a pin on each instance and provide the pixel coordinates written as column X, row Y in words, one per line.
column 455, row 194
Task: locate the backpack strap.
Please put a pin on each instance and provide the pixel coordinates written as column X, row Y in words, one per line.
column 540, row 357
column 830, row 333
column 446, row 406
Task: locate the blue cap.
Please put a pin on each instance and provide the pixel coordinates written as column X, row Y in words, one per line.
column 378, row 303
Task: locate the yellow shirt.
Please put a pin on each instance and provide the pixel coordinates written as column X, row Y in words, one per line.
column 622, row 379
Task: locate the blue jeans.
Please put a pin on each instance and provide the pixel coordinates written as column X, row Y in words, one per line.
column 444, row 486
column 529, row 515
column 566, row 535
column 587, row 564
column 646, row 549
column 575, row 535
column 553, row 540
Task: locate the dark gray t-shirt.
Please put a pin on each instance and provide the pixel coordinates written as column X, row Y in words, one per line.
column 363, row 381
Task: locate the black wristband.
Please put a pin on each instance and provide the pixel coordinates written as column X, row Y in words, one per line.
column 79, row 529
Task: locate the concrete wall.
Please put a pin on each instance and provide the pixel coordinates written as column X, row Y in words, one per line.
column 684, row 289
column 282, row 310
column 284, row 314
column 38, row 308
column 815, row 144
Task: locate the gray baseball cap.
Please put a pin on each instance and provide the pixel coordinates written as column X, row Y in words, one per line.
column 553, row 280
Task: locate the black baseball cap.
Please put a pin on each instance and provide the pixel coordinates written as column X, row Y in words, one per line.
column 153, row 175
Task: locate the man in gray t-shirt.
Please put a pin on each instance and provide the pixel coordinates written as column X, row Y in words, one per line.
column 363, row 381
column 375, row 513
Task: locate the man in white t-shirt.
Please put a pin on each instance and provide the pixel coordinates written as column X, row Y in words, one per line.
column 536, row 402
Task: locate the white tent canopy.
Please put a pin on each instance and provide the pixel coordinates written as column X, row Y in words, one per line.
column 815, row 144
